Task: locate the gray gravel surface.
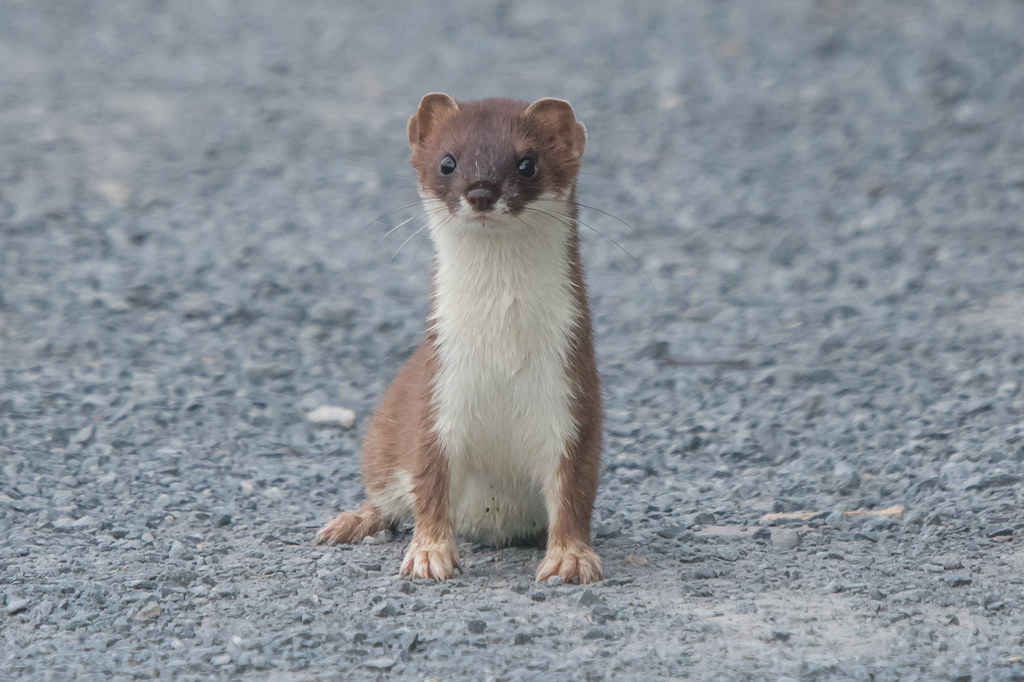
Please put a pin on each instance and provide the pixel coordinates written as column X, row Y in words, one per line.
column 827, row 202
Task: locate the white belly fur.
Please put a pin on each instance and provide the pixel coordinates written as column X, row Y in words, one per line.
column 503, row 312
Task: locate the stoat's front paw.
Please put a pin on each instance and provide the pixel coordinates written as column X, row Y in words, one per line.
column 574, row 564
column 431, row 559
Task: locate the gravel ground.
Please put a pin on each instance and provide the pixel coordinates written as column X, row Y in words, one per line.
column 817, row 305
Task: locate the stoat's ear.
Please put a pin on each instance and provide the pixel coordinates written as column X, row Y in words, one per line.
column 434, row 108
column 556, row 117
column 579, row 140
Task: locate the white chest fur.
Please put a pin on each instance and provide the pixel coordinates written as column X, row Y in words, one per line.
column 504, row 310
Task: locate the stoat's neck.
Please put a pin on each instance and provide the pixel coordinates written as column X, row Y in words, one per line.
column 524, row 259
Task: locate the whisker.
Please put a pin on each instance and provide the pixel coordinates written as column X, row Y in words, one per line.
column 437, row 227
column 610, row 179
column 617, row 219
column 444, row 222
column 420, row 245
column 533, row 227
column 408, row 239
column 568, row 221
column 390, row 212
column 397, row 227
column 387, row 234
column 394, row 229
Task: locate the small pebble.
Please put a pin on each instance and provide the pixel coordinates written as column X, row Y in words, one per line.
column 476, row 626
column 728, row 554
column 15, row 606
column 957, row 580
column 64, row 523
column 710, row 627
column 180, row 577
column 598, row 633
column 84, row 435
column 409, row 641
column 616, row 582
column 588, row 597
column 382, row 664
column 701, row 573
column 785, row 538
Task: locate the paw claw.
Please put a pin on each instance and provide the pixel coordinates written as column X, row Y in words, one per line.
column 437, row 560
column 576, row 564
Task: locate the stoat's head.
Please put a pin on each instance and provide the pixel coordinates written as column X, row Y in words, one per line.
column 490, row 159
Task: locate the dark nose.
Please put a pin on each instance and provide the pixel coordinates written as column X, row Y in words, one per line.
column 482, row 198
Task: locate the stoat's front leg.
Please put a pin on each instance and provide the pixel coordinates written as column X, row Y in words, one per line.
column 570, row 500
column 432, row 552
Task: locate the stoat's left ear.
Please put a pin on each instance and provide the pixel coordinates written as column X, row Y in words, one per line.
column 557, row 118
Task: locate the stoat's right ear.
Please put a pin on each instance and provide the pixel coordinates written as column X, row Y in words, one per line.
column 434, row 108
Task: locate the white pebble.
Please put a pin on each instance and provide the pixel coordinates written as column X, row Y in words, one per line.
column 328, row 416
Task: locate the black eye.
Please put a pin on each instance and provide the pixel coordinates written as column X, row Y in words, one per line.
column 527, row 167
column 447, row 164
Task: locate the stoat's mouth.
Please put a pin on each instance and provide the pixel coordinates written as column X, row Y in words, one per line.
column 488, row 219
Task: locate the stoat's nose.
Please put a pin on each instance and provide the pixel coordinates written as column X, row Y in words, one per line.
column 482, row 197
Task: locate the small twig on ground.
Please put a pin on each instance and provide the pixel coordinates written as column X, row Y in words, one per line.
column 894, row 511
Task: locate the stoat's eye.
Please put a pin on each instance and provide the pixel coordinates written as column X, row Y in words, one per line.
column 448, row 164
column 527, row 167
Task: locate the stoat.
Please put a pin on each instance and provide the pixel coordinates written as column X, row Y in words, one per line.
column 493, row 427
